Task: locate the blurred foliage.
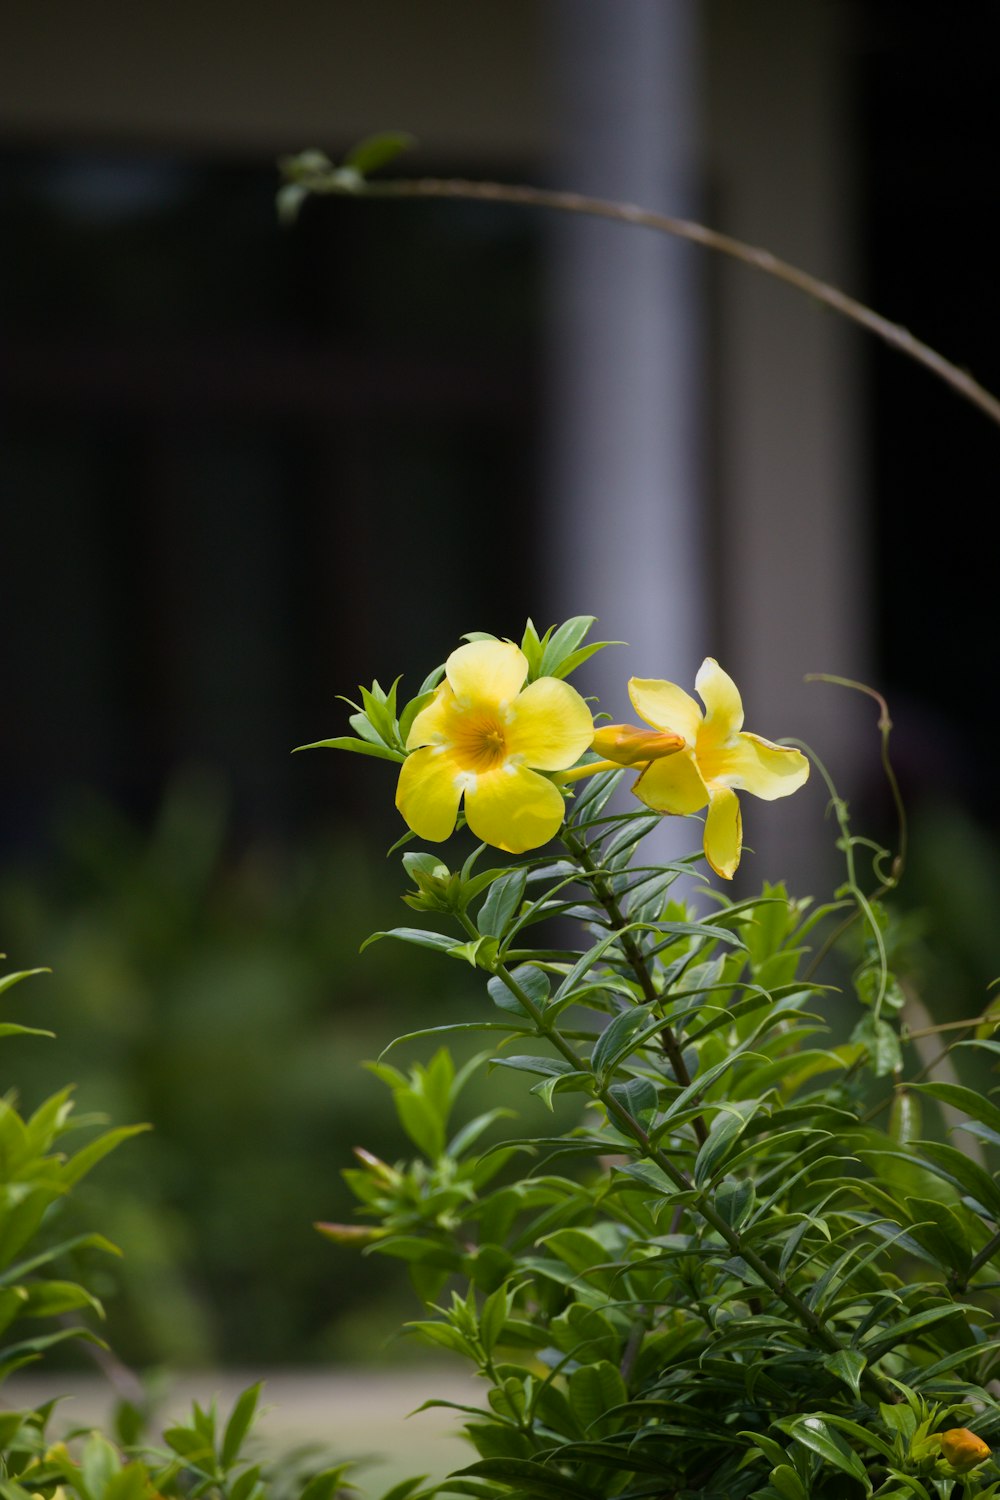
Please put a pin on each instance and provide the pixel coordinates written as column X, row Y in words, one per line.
column 220, row 996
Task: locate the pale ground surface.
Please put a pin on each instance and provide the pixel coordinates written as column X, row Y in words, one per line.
column 361, row 1414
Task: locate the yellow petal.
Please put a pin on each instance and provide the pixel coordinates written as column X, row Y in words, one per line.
column 487, row 671
column 723, row 832
column 628, row 745
column 548, row 725
column 428, row 793
column 756, row 765
column 433, row 723
column 723, row 705
column 665, row 706
column 514, row 809
column 672, row 785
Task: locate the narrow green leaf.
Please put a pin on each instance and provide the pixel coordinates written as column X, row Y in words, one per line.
column 327, row 1484
column 524, row 1063
column 359, row 747
column 376, row 151
column 725, row 1131
column 976, row 1106
column 84, row 1160
column 616, row 1041
column 99, row 1463
column 939, row 1230
column 240, row 1421
column 968, row 1175
column 908, row 1330
column 816, row 1435
column 563, row 642
column 501, row 903
column 419, row 936
column 7, row 981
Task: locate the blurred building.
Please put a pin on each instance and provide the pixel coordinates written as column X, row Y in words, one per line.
column 243, row 468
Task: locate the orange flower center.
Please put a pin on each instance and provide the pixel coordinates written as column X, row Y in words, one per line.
column 480, row 743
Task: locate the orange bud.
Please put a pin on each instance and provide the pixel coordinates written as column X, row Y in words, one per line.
column 962, row 1448
column 628, row 745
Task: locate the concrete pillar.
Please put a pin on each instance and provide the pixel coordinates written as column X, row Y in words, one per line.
column 624, row 525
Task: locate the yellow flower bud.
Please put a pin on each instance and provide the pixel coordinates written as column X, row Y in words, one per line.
column 628, row 745
column 962, row 1448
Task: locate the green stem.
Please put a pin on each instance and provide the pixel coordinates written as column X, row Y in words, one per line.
column 330, row 180
column 631, row 1127
column 604, row 893
column 978, row 1261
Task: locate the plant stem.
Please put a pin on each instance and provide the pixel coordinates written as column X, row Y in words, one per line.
column 631, row 1127
column 893, row 334
column 604, row 893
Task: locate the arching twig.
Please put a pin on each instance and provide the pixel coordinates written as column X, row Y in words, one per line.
column 312, row 173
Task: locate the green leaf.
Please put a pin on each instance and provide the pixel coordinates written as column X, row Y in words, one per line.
column 976, row 1106
column 359, row 747
column 493, row 1316
column 191, row 1446
column 816, row 1435
column 50, row 1299
column 534, row 982
column 132, row 1483
column 617, row 1039
column 638, row 1096
column 787, row 1483
column 327, row 1484
column 772, row 1451
column 419, row 936
column 864, row 1435
column 480, row 952
column 444, row 1336
column 240, row 1421
column 734, row 1201
column 594, row 1389
column 940, row 1231
column 289, row 200
column 86, row 1159
column 956, row 1167
column 547, row 1067
column 376, row 151
column 881, row 1043
column 907, row 1330
column 99, row 1463
column 563, row 643
column 725, row 1131
column 502, row 902
column 7, row 981
column 847, row 1365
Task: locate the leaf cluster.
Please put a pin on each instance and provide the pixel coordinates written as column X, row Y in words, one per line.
column 737, row 1273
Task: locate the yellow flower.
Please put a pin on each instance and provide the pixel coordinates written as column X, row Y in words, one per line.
column 716, row 760
column 962, row 1449
column 486, row 737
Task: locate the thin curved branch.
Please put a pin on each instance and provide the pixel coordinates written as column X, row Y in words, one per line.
column 349, row 183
